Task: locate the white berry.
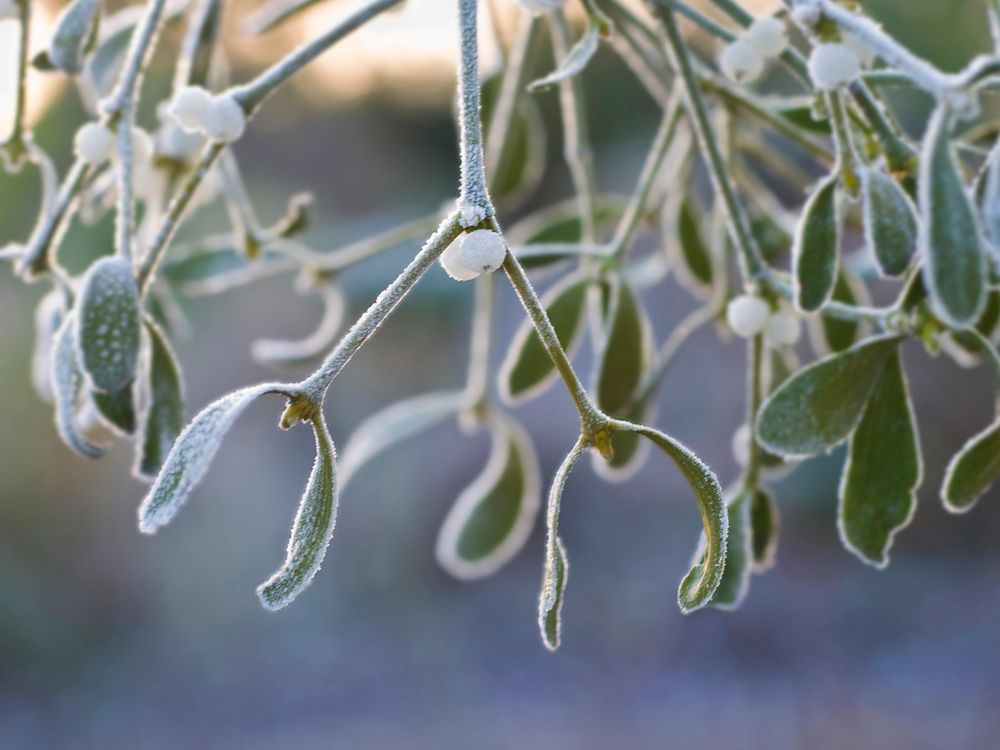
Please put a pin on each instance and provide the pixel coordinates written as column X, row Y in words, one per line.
column 451, row 262
column 783, row 329
column 482, row 251
column 223, row 119
column 741, row 444
column 768, row 36
column 741, row 61
column 747, row 315
column 188, row 107
column 94, row 144
column 541, row 6
column 833, row 65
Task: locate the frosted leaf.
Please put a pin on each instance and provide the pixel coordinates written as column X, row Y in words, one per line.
column 108, row 326
column 73, row 33
column 494, row 516
column 312, row 530
column 575, row 61
column 735, row 581
column 890, row 220
column 972, row 471
column 453, row 265
column 67, row 382
column 116, row 409
column 164, row 415
column 816, row 250
column 291, row 353
column 883, row 470
column 48, row 316
column 624, row 356
column 192, row 454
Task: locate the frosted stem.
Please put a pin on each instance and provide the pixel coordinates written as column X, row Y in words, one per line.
column 474, row 201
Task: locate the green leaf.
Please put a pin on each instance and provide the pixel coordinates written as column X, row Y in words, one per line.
column 695, row 258
column 815, row 252
column 108, row 324
column 74, row 31
column 951, row 243
column 192, row 454
column 164, row 415
column 117, row 409
column 556, row 573
column 883, row 470
column 625, row 354
column 972, row 470
column 312, row 530
column 764, row 524
column 817, row 409
column 395, row 424
column 735, row 580
column 699, row 585
column 527, row 370
column 575, row 61
column 493, row 517
column 890, row 222
column 281, row 353
column 67, row 382
column 525, row 155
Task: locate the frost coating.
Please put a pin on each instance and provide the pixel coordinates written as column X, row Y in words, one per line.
column 474, row 201
column 188, row 107
column 223, row 119
column 747, row 315
column 453, row 265
column 108, row 324
column 482, row 251
column 741, row 61
column 833, row 65
column 67, row 382
column 94, row 143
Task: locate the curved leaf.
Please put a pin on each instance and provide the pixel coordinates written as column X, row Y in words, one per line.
column 972, row 470
column 108, row 324
column 950, row 240
column 815, row 251
column 890, row 220
column 575, row 61
column 312, row 530
column 735, row 581
column 164, row 416
column 282, row 353
column 75, row 30
column 67, row 381
column 764, row 524
column 817, row 408
column 493, row 517
column 192, row 453
column 883, row 470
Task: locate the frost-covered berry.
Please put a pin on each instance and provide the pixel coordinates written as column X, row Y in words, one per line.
column 741, row 61
column 451, row 262
column 223, row 119
column 783, row 329
column 188, row 107
column 769, row 36
column 482, row 251
column 541, row 6
column 747, row 315
column 833, row 65
column 94, row 143
column 8, row 10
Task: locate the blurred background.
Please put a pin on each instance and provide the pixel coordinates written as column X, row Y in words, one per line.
column 113, row 640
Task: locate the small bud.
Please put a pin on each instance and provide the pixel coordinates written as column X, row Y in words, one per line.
column 188, row 107
column 741, row 444
column 482, row 251
column 783, row 329
column 541, row 6
column 93, row 143
column 768, row 36
column 452, row 264
column 223, row 119
column 741, row 61
column 833, row 65
column 747, row 315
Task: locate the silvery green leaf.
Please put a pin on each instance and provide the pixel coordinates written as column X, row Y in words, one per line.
column 67, row 382
column 116, row 408
column 394, row 424
column 735, row 580
column 291, row 353
column 764, row 523
column 108, row 324
column 527, row 370
column 972, row 470
column 883, row 470
column 815, row 252
column 48, row 317
column 556, row 573
column 950, row 241
column 817, row 408
column 624, row 355
column 74, row 32
column 575, row 61
column 312, row 530
column 493, row 517
column 164, row 415
column 890, row 220
column 192, row 453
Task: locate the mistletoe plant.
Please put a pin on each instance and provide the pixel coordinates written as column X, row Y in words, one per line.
column 928, row 214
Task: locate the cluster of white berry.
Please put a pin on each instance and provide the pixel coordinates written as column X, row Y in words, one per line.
column 749, row 316
column 218, row 118
column 745, row 59
column 94, row 144
column 474, row 253
column 833, row 64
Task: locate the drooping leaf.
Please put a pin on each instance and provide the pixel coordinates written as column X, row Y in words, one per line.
column 192, row 454
column 117, row 408
column 164, row 416
column 972, row 470
column 394, row 424
column 74, row 32
column 67, row 382
column 950, row 240
column 494, row 516
column 575, row 61
column 291, row 353
column 815, row 252
column 816, row 409
column 108, row 324
column 735, row 579
column 527, row 370
column 312, row 529
column 625, row 352
column 764, row 524
column 883, row 470
column 890, row 222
